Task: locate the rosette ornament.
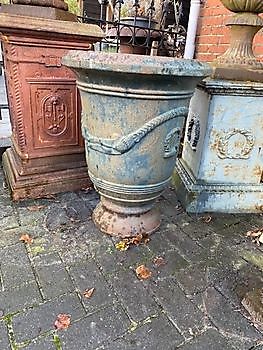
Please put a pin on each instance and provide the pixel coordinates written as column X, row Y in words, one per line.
column 244, row 24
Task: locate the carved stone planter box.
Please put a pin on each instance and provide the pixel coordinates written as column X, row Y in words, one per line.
column 134, row 108
column 47, row 154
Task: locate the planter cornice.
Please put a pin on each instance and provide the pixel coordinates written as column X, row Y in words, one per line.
column 10, row 23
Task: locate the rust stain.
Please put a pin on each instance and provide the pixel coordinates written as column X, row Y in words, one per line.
column 228, row 169
column 257, row 171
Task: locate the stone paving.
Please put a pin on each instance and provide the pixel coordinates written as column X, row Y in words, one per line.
column 192, row 302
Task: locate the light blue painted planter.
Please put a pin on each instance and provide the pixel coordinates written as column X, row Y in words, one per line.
column 134, row 109
column 221, row 168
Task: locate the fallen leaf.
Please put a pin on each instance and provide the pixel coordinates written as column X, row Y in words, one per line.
column 122, row 245
column 62, row 321
column 206, row 219
column 136, row 240
column 159, row 261
column 143, row 272
column 26, row 238
column 256, row 235
column 139, row 239
column 260, row 239
column 87, row 189
column 88, row 293
column 35, row 207
column 127, row 242
column 134, row 325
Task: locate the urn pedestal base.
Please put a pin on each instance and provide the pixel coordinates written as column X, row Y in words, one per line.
column 34, row 179
column 123, row 221
column 197, row 197
column 238, row 73
column 221, row 167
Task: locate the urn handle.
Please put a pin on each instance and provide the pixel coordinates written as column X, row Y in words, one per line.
column 124, row 144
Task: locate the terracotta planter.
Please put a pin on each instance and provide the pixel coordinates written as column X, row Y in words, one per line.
column 47, row 153
column 134, row 108
column 60, row 4
column 50, row 9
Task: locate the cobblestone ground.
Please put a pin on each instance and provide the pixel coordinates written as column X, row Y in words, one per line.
column 192, row 302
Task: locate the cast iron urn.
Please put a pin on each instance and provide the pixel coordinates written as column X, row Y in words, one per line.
column 133, row 113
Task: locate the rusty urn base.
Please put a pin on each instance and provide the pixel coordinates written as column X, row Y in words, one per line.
column 31, row 179
column 115, row 219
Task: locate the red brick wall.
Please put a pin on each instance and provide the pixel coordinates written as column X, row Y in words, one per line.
column 213, row 36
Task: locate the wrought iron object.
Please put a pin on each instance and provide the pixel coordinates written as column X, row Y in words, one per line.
column 134, row 108
column 141, row 27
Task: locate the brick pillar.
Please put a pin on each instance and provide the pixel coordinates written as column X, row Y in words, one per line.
column 213, row 36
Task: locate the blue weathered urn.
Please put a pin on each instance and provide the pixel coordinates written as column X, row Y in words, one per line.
column 133, row 112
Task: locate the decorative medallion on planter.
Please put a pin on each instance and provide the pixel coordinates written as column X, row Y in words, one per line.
column 47, row 153
column 235, row 144
column 193, row 130
column 134, row 108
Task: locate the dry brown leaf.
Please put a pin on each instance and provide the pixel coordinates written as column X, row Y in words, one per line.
column 159, row 261
column 87, row 189
column 26, row 238
column 127, row 242
column 141, row 238
column 62, row 321
column 35, row 207
column 143, row 272
column 88, row 293
column 206, row 219
column 255, row 233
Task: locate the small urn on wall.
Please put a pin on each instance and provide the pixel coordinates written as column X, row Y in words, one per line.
column 239, row 61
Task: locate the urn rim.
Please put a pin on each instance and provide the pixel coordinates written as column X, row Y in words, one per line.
column 254, row 6
column 136, row 64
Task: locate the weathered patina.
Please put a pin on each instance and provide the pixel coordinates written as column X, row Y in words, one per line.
column 221, row 167
column 133, row 112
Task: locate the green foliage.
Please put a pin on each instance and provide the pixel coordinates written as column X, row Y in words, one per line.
column 73, row 6
column 5, row 1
